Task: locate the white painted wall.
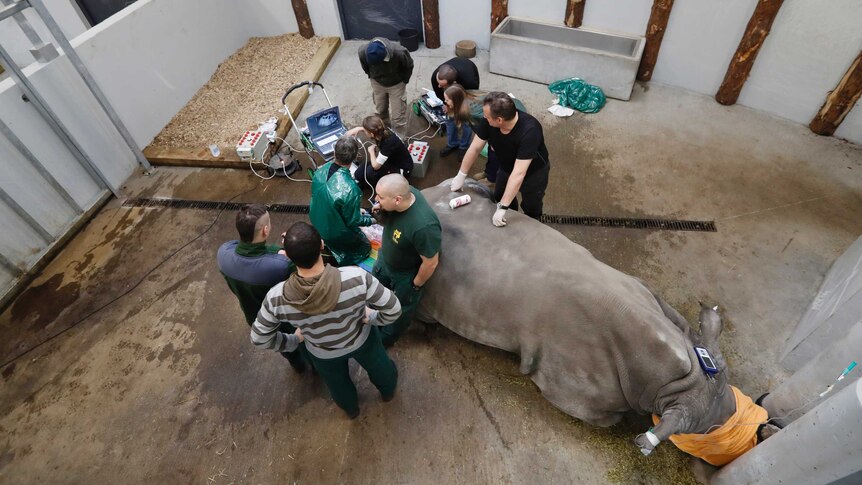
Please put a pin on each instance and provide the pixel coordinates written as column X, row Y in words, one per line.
column 267, row 18
column 465, row 20
column 628, row 16
column 149, row 60
column 808, row 51
column 13, row 40
column 700, row 39
column 851, row 128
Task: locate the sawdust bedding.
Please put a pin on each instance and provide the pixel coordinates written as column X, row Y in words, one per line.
column 245, row 90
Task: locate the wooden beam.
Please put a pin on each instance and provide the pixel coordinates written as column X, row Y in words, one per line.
column 303, row 20
column 499, row 11
column 575, row 12
column 431, row 17
column 840, row 101
column 201, row 157
column 742, row 61
column 656, row 26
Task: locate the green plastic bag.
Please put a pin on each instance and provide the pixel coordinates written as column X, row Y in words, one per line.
column 577, row 94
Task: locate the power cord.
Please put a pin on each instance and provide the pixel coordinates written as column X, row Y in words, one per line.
column 132, row 288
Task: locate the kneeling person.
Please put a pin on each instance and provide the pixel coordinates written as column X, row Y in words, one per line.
column 329, row 307
column 334, row 210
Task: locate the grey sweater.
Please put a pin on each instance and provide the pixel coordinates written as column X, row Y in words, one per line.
column 334, row 333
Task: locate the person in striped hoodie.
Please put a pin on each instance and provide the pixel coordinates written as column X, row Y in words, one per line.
column 336, row 312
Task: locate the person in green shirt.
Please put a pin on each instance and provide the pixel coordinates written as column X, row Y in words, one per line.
column 334, row 210
column 410, row 247
column 251, row 267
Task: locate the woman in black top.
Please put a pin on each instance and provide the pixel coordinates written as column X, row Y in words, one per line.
column 386, row 155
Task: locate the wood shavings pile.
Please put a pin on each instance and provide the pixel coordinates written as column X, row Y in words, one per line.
column 245, row 91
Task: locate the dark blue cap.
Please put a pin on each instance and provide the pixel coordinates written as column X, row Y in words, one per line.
column 375, row 52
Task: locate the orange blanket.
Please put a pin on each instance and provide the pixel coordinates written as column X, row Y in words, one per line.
column 724, row 444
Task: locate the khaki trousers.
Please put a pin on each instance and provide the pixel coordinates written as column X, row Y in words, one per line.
column 392, row 99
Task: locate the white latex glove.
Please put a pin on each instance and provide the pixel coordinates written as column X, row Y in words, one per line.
column 499, row 218
column 647, row 442
column 458, row 182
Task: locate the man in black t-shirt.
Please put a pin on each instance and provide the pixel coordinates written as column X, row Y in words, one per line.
column 519, row 144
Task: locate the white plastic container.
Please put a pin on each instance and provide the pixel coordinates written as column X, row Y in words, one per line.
column 459, row 201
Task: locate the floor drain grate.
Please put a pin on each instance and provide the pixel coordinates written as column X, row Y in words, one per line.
column 655, row 224
column 209, row 205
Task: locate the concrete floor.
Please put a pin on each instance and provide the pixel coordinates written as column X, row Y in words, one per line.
column 162, row 384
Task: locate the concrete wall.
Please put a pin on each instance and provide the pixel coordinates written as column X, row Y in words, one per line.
column 835, row 309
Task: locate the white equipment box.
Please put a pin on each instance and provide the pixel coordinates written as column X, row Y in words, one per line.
column 252, row 145
column 419, row 151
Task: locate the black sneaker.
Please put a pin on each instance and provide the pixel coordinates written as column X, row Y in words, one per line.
column 445, row 151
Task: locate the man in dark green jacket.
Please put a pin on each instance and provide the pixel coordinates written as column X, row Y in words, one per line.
column 335, row 212
column 389, row 67
column 251, row 267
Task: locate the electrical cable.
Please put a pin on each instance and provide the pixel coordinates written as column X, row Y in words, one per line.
column 132, row 288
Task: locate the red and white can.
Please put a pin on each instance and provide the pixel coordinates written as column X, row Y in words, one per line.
column 459, row 201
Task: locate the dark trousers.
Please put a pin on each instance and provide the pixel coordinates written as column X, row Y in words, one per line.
column 492, row 167
column 366, row 176
column 372, row 357
column 401, row 283
column 297, row 358
column 532, row 190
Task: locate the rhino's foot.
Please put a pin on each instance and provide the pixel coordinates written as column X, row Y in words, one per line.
column 764, row 431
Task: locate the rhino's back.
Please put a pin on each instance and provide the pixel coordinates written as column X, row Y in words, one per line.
column 600, row 342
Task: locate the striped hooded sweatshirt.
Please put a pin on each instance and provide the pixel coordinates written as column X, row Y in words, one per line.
column 328, row 309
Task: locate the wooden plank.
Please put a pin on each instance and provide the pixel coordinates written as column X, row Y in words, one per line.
column 303, row 20
column 431, row 18
column 499, row 11
column 656, row 26
column 742, row 61
column 840, row 101
column 201, row 157
column 575, row 12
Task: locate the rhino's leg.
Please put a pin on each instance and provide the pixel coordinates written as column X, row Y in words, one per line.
column 671, row 422
column 529, row 357
column 423, row 316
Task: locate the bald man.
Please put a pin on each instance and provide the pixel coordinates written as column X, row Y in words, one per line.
column 410, row 247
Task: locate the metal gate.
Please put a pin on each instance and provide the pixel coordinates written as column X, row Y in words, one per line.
column 365, row 19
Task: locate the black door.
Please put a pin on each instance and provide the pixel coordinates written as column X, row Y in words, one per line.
column 98, row 10
column 365, row 19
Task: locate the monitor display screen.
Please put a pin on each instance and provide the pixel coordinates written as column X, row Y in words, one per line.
column 324, row 121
